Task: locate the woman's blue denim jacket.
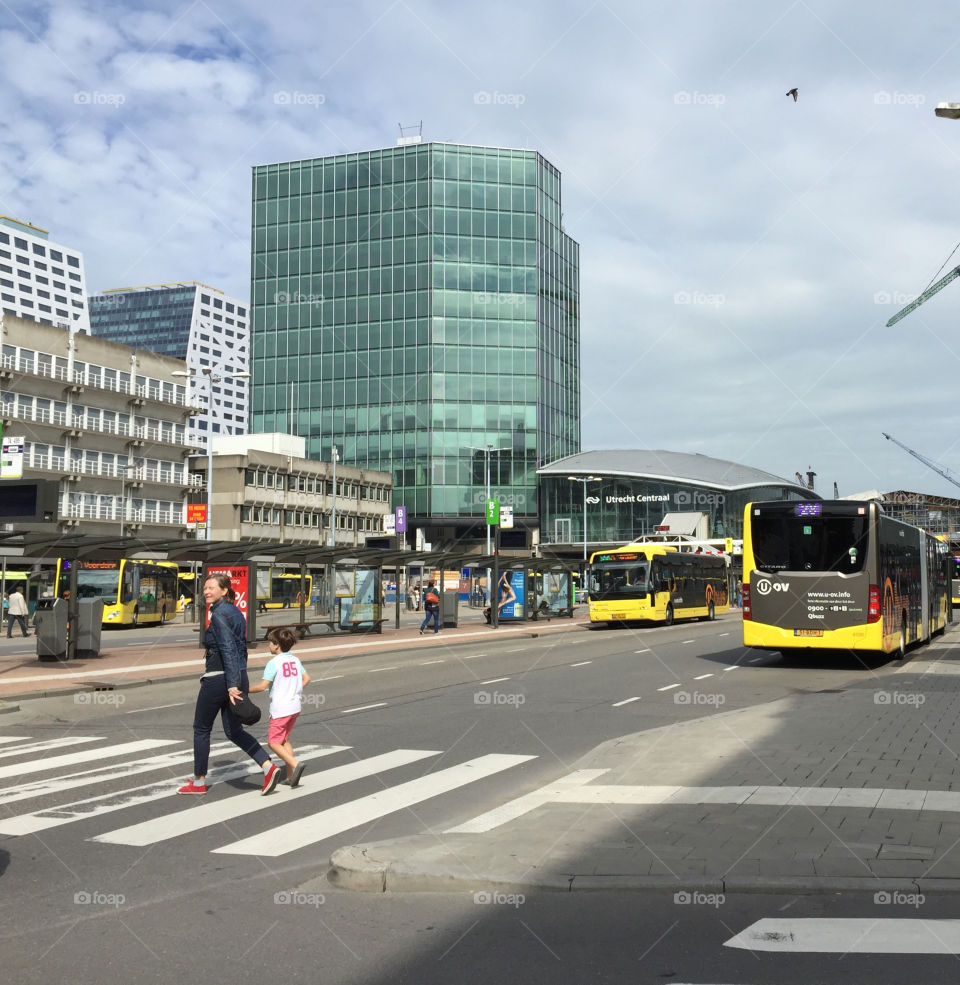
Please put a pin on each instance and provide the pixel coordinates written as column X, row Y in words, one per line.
column 226, row 642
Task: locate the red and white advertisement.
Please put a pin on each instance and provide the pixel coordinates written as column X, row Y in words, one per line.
column 240, row 581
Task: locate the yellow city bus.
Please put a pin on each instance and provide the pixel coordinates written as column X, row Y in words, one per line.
column 839, row 575
column 656, row 582
column 134, row 592
column 281, row 590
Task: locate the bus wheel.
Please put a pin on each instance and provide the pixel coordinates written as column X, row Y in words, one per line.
column 668, row 616
column 902, row 643
column 711, row 614
column 136, row 616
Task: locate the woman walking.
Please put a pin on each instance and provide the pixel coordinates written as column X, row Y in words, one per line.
column 224, row 682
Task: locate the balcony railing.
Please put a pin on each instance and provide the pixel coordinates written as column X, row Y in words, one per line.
column 81, row 422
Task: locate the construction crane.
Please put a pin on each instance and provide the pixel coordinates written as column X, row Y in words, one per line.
column 926, row 461
column 903, row 312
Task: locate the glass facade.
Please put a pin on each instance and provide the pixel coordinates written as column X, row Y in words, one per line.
column 417, row 307
column 158, row 319
column 621, row 508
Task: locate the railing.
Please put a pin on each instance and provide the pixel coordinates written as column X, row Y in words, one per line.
column 80, row 422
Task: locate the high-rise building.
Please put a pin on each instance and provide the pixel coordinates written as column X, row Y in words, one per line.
column 40, row 280
column 193, row 322
column 418, row 307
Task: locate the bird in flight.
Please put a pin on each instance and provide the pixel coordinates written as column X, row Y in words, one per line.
column 791, row 92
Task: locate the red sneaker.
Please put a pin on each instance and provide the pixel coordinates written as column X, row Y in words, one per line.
column 192, row 787
column 270, row 779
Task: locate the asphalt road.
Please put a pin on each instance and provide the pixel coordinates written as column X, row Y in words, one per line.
column 117, row 874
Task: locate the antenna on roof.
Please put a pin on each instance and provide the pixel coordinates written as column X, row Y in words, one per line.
column 410, row 134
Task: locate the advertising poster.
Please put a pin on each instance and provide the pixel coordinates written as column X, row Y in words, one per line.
column 240, row 580
column 514, row 608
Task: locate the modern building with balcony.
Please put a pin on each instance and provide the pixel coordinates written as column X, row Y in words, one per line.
column 265, row 488
column 195, row 323
column 41, row 280
column 418, row 307
column 107, row 421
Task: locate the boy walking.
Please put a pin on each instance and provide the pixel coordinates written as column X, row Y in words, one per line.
column 286, row 675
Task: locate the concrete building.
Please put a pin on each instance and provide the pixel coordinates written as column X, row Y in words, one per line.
column 264, row 488
column 418, row 308
column 108, row 422
column 195, row 323
column 41, row 280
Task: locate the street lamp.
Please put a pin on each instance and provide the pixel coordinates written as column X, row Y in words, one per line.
column 212, row 377
column 334, row 458
column 585, row 479
column 487, row 450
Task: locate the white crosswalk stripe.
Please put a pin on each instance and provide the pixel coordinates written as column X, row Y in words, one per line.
column 69, row 759
column 47, row 744
column 162, row 829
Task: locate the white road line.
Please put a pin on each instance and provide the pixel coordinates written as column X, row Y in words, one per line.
column 79, row 810
column 846, row 935
column 7, row 739
column 140, row 711
column 688, row 641
column 647, row 650
column 625, row 701
column 756, row 660
column 380, row 670
column 334, row 677
column 583, row 663
column 350, row 711
column 723, row 634
column 703, row 677
column 732, row 667
column 219, row 811
column 496, row 680
column 309, row 830
column 109, row 752
column 72, row 740
column 55, row 785
column 668, row 687
column 426, row 663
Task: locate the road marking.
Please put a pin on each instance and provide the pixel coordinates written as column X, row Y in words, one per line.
column 350, row 711
column 626, row 701
column 309, row 830
column 224, row 811
column 110, row 752
column 732, row 667
column 53, row 817
column 757, row 660
column 687, row 641
column 583, row 663
column 668, row 687
column 380, row 670
column 647, row 650
column 723, row 634
column 703, row 677
column 427, row 663
column 846, row 935
column 139, row 711
column 333, row 677
column 7, row 739
column 73, row 740
column 496, row 680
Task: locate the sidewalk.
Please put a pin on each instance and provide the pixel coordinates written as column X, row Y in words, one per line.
column 121, row 665
column 855, row 789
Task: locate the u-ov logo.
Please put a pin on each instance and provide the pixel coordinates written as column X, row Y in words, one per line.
column 765, row 586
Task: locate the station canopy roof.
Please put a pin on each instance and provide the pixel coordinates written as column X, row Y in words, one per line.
column 670, row 466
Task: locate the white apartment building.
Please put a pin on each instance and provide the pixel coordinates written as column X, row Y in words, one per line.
column 195, row 323
column 41, row 280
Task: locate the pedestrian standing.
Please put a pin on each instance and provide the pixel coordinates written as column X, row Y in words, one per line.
column 16, row 611
column 224, row 682
column 288, row 678
column 431, row 602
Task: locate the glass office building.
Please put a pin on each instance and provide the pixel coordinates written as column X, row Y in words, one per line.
column 418, row 308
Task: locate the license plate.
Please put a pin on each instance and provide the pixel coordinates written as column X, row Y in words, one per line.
column 808, row 632
column 619, row 615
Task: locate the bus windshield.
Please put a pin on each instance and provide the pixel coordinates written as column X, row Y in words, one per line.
column 625, row 579
column 806, row 543
column 96, row 584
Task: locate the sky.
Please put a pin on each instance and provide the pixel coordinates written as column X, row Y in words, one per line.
column 740, row 251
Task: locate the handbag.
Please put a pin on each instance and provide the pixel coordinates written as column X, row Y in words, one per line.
column 246, row 711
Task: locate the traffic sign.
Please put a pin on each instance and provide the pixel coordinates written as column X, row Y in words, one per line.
column 493, row 512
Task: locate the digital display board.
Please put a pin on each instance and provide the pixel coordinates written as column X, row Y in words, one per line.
column 808, row 509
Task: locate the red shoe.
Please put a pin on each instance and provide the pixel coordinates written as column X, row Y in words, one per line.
column 192, row 787
column 270, row 779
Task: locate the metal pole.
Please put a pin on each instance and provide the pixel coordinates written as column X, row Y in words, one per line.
column 123, row 498
column 209, row 456
column 333, row 511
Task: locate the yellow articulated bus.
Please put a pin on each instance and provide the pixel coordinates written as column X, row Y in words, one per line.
column 134, row 592
column 839, row 575
column 655, row 582
column 281, row 590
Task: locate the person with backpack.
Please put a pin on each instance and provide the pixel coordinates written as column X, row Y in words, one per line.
column 431, row 602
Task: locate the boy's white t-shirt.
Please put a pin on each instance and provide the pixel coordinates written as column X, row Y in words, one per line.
column 285, row 672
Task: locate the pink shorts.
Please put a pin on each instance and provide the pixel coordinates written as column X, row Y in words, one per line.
column 280, row 729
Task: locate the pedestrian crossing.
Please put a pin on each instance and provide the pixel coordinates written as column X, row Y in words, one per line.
column 58, row 798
